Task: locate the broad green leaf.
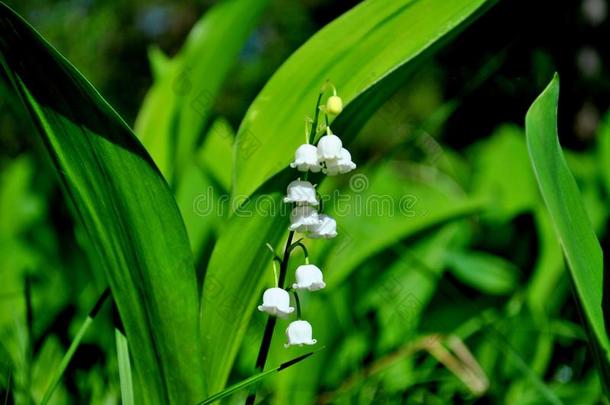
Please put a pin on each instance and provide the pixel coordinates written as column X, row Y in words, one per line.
column 501, row 171
column 356, row 52
column 234, row 279
column 202, row 190
column 391, row 205
column 215, row 156
column 485, row 272
column 200, row 205
column 572, row 226
column 178, row 106
column 124, row 204
column 586, row 172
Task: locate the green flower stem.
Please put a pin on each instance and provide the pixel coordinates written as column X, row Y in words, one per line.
column 270, row 326
column 298, row 302
column 302, row 246
column 314, row 125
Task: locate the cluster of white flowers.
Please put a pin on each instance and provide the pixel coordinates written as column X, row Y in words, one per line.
column 331, row 158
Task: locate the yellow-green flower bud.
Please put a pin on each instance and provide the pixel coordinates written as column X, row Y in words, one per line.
column 334, row 105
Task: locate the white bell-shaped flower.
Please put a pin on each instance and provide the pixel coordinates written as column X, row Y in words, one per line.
column 306, row 158
column 329, row 148
column 276, row 301
column 304, row 218
column 340, row 166
column 326, row 229
column 309, row 277
column 301, row 192
column 299, row 333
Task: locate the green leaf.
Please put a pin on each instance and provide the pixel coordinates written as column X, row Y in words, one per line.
column 501, row 171
column 233, row 282
column 356, row 52
column 216, row 153
column 199, row 205
column 126, row 207
column 59, row 372
column 272, row 130
column 571, row 223
column 125, row 378
column 485, row 272
column 178, row 106
column 390, row 205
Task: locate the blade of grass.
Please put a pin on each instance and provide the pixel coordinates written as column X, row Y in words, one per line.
column 254, row 379
column 122, row 349
column 29, row 322
column 8, row 387
column 65, row 361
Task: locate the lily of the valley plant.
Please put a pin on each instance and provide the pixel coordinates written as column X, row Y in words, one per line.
column 328, row 156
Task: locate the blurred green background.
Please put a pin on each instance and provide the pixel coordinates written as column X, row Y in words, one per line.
column 492, row 286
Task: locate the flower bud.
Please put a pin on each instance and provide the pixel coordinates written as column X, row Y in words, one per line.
column 334, row 105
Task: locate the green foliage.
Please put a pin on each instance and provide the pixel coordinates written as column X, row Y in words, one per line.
column 485, row 272
column 572, row 226
column 126, row 207
column 261, row 153
column 447, row 280
column 178, row 106
column 357, row 51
